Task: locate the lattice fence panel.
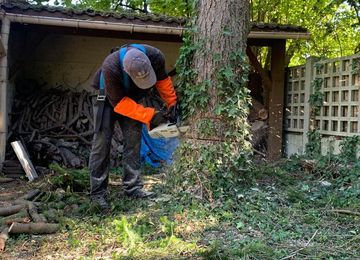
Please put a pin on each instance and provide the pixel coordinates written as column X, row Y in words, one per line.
column 339, row 115
column 295, row 99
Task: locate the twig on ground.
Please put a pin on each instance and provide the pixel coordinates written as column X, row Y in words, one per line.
column 259, row 153
column 297, row 251
column 345, row 211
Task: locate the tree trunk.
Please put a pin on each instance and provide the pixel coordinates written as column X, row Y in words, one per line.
column 222, row 29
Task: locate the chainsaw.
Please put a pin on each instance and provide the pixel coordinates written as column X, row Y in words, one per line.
column 169, row 129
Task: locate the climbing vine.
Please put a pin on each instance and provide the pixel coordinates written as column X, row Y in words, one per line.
column 313, row 146
column 356, row 66
column 217, row 150
column 350, row 148
column 316, row 100
column 317, row 97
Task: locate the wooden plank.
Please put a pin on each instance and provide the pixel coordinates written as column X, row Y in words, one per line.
column 2, row 49
column 257, row 66
column 261, row 42
column 5, row 32
column 276, row 101
column 24, row 160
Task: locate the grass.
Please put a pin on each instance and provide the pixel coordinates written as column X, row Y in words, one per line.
column 279, row 212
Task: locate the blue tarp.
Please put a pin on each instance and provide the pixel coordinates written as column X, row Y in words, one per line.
column 157, row 151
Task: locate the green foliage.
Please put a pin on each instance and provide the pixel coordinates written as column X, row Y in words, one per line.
column 350, row 148
column 344, row 168
column 316, row 99
column 313, row 147
column 192, row 96
column 179, row 8
column 210, row 172
column 277, row 210
column 213, row 168
column 172, row 7
column 70, row 179
column 355, row 66
column 125, row 233
column 333, row 25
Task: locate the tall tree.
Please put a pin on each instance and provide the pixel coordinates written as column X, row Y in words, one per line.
column 213, row 73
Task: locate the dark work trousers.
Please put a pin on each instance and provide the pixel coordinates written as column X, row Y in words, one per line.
column 99, row 161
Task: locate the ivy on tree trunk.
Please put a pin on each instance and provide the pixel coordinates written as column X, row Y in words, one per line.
column 213, row 72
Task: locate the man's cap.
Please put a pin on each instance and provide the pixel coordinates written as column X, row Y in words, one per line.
column 138, row 66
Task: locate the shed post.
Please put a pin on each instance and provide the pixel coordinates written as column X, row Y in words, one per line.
column 5, row 31
column 276, row 100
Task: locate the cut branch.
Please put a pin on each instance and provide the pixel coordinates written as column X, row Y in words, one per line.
column 4, row 235
column 10, row 210
column 33, row 228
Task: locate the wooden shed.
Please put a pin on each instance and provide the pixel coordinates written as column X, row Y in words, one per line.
column 64, row 47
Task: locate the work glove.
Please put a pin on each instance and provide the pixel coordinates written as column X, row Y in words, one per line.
column 158, row 119
column 173, row 113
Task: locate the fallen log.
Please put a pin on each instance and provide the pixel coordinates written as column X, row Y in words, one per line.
column 17, row 220
column 33, row 228
column 308, row 165
column 4, row 235
column 14, row 175
column 12, row 163
column 21, row 214
column 6, row 180
column 259, row 132
column 11, row 210
column 30, row 195
column 35, row 216
column 257, row 111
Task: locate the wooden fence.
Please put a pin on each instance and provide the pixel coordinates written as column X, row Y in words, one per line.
column 338, row 117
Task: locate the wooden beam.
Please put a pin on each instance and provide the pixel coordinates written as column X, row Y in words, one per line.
column 276, row 101
column 257, row 66
column 96, row 33
column 2, row 49
column 24, row 160
column 261, row 42
column 5, row 31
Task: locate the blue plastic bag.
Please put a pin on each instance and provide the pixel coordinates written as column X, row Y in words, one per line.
column 157, row 151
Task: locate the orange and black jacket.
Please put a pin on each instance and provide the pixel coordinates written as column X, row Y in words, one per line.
column 125, row 101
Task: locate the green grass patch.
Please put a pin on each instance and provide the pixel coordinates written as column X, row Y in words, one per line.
column 278, row 211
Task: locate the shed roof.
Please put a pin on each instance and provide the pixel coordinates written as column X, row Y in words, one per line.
column 128, row 21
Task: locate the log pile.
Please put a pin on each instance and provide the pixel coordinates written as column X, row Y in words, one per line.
column 56, row 126
column 259, row 127
column 22, row 217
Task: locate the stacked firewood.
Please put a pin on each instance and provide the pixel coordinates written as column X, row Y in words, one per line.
column 22, row 217
column 57, row 126
column 259, row 126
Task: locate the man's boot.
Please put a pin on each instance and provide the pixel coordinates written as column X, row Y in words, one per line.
column 141, row 194
column 100, row 201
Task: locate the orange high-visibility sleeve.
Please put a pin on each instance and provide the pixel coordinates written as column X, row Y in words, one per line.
column 167, row 91
column 129, row 108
